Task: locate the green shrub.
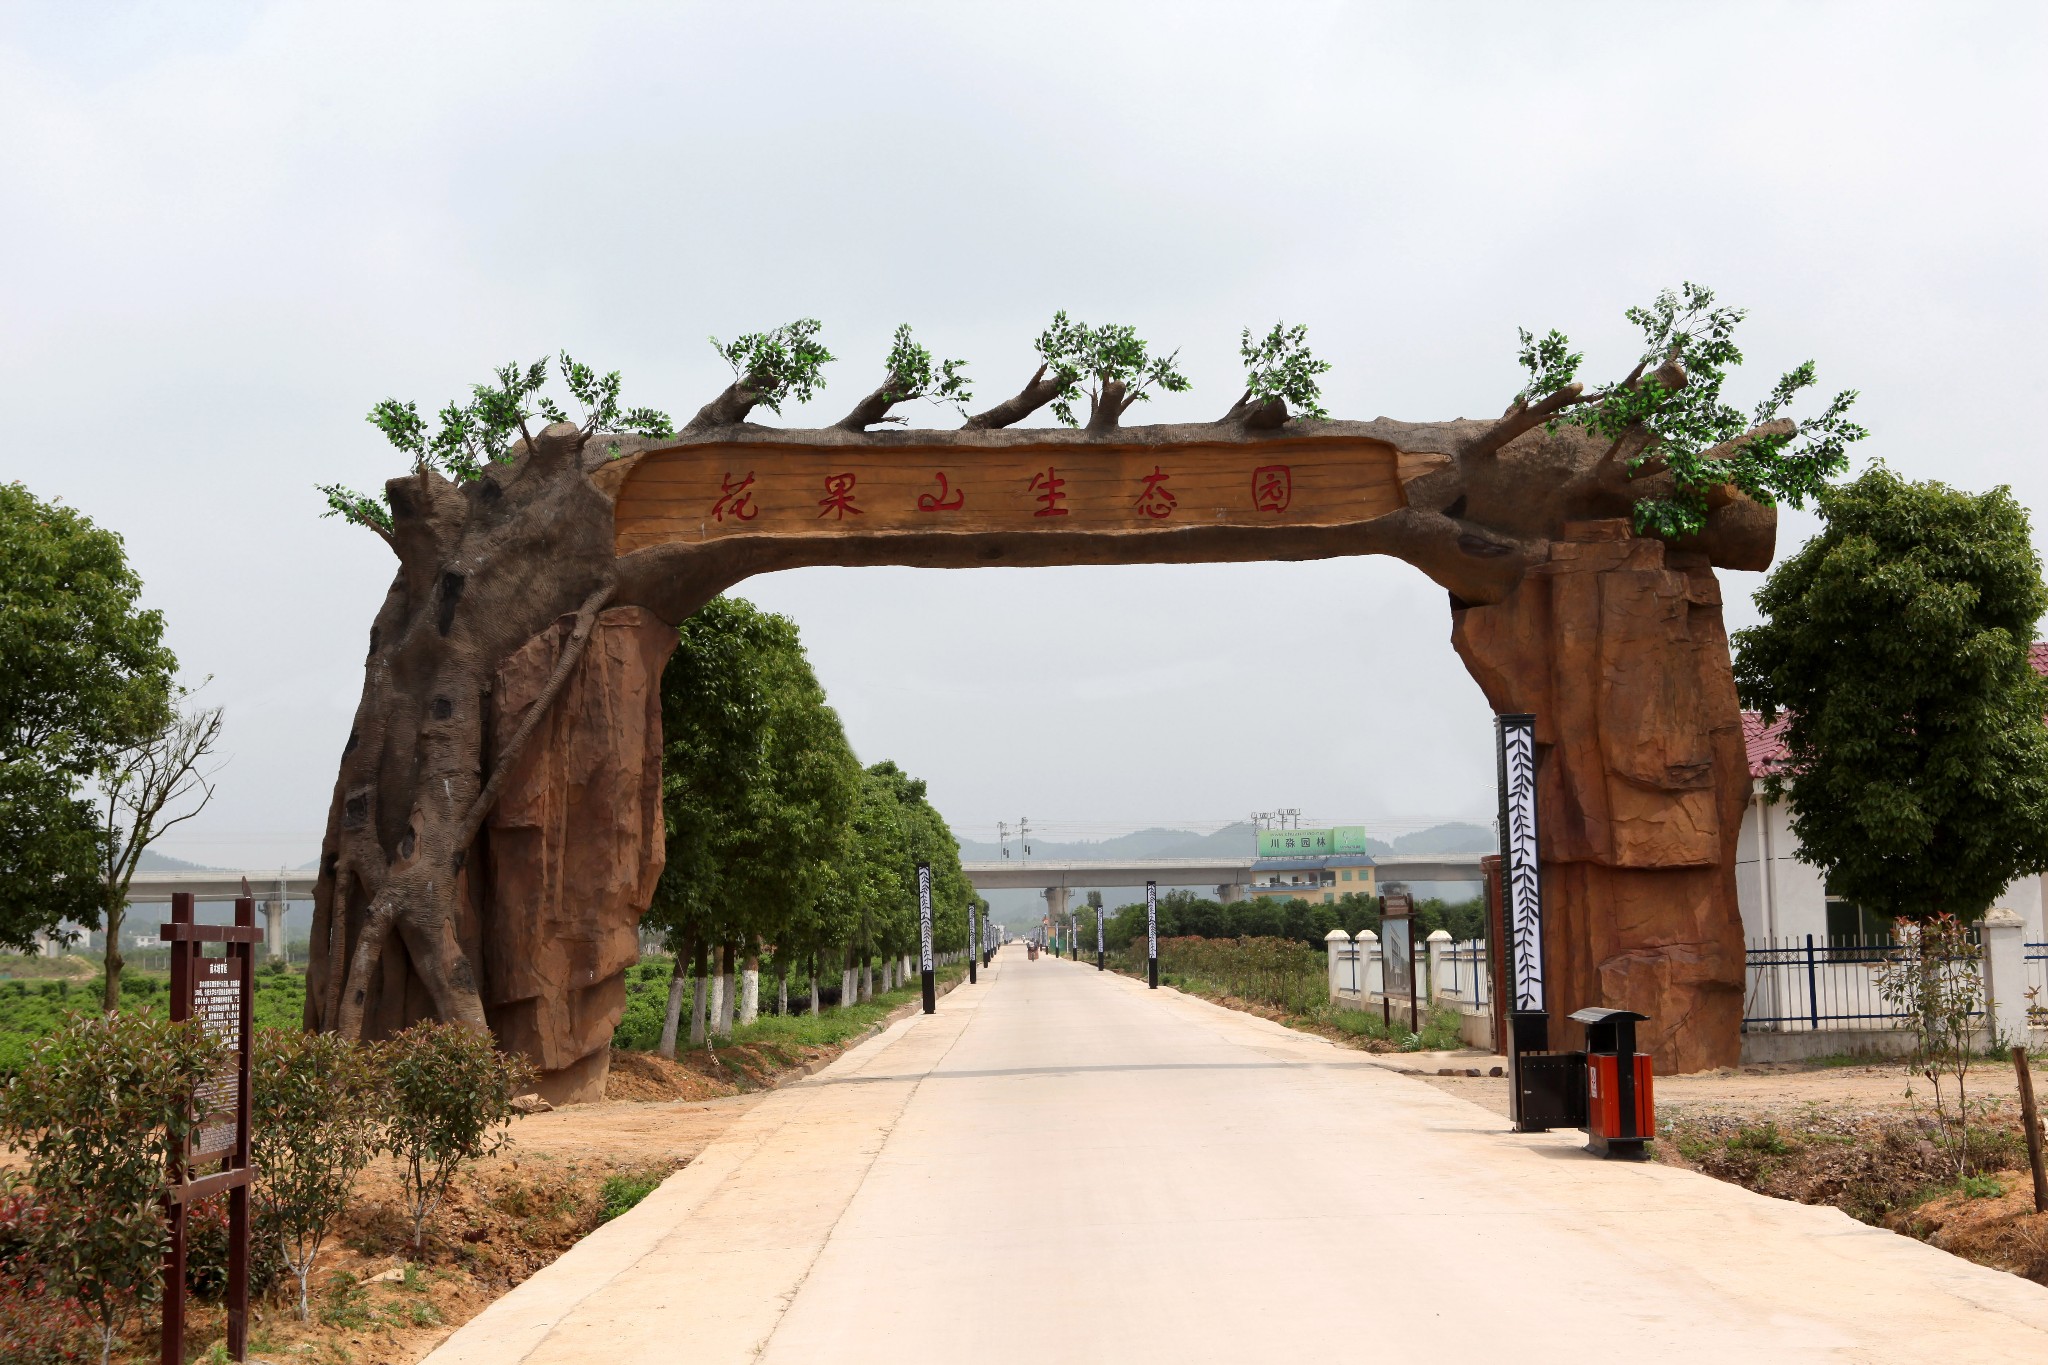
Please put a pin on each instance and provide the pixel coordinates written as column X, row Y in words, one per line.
column 37, row 1327
column 98, row 1108
column 450, row 1103
column 317, row 1108
column 1982, row 1187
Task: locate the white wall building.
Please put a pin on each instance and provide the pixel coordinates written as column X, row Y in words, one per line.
column 1783, row 898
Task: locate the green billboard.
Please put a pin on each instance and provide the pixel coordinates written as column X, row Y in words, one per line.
column 1312, row 843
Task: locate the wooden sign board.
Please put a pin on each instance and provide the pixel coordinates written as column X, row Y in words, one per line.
column 697, row 493
column 217, row 986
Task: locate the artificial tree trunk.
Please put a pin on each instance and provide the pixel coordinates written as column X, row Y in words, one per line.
column 481, row 672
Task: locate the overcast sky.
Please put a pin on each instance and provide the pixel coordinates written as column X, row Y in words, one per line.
column 226, row 231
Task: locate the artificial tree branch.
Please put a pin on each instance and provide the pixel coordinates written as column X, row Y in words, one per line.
column 1519, row 418
column 508, row 757
column 1034, row 395
column 733, row 405
column 875, row 407
column 1782, row 426
column 1263, row 414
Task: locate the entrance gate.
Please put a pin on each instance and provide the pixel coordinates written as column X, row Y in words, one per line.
column 517, row 661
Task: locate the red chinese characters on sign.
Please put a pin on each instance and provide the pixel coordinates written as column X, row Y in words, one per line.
column 939, row 501
column 1272, row 487
column 1047, row 486
column 838, row 499
column 1157, row 500
column 736, row 498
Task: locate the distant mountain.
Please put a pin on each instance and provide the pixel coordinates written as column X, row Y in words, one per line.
column 1448, row 839
column 152, row 861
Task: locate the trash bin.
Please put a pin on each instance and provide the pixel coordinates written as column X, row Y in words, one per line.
column 1621, row 1115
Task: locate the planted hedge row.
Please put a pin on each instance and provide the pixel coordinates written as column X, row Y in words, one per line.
column 99, row 1105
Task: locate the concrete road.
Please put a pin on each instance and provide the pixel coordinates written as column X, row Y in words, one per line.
column 1061, row 1166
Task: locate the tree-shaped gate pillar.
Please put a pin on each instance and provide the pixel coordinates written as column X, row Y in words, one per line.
column 1616, row 644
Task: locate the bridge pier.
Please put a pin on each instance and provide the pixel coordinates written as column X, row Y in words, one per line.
column 1056, row 904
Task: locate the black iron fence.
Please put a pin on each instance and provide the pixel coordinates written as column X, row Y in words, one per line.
column 1813, row 982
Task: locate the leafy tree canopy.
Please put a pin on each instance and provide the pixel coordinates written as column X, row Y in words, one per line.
column 474, row 435
column 87, row 670
column 1897, row 643
column 759, row 784
column 50, row 844
column 778, row 365
column 87, row 676
column 1092, row 359
column 1691, row 430
column 914, row 374
column 1280, row 366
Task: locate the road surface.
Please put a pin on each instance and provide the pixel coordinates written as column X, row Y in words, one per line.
column 1062, row 1166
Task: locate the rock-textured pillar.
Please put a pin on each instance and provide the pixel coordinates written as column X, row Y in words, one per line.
column 1616, row 644
column 575, row 846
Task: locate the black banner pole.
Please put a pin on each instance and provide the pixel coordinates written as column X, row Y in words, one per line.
column 1152, row 936
column 1521, row 873
column 973, row 941
column 924, row 934
column 1099, row 957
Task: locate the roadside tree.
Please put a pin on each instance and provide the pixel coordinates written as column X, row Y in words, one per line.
column 145, row 790
column 1896, row 642
column 87, row 675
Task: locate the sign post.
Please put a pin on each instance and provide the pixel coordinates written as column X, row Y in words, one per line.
column 220, row 994
column 1152, row 936
column 924, row 936
column 1397, row 953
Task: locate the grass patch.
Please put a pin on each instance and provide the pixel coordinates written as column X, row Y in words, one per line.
column 1439, row 1033
column 621, row 1192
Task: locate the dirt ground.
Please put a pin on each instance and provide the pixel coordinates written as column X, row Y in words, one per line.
column 1851, row 1136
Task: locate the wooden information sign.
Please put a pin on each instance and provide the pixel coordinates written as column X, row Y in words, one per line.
column 219, row 994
